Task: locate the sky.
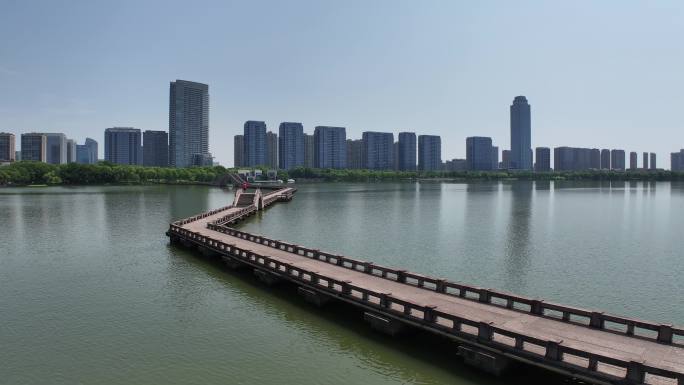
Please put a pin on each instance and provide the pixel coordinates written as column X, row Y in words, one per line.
column 605, row 74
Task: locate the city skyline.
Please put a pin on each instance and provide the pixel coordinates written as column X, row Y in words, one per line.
column 462, row 90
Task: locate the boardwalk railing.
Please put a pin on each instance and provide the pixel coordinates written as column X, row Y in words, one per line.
column 549, row 351
column 662, row 333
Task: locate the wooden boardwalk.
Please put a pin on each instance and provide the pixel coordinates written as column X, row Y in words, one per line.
column 587, row 344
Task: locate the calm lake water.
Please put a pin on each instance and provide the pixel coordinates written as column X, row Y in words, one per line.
column 92, row 293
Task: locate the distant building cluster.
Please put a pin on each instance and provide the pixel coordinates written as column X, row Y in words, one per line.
column 329, row 147
column 187, row 144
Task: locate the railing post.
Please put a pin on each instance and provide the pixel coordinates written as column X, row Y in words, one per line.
column 368, row 268
column 485, row 332
column 401, row 276
column 346, row 287
column 536, row 307
column 596, row 320
column 485, row 296
column 553, row 351
column 440, row 286
column 314, row 278
column 635, row 372
column 429, row 314
column 385, row 300
column 665, row 335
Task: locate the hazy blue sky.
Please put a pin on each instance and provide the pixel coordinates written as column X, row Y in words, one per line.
column 597, row 73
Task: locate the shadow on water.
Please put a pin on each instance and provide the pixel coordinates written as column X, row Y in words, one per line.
column 425, row 347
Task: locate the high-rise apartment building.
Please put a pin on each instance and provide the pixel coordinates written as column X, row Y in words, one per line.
column 605, row 159
column 34, row 147
column 430, row 153
column 521, row 134
column 309, row 150
column 677, row 161
column 156, row 148
column 395, row 153
column 123, row 145
column 238, row 150
column 330, row 147
column 495, row 157
column 633, row 160
column 595, row 159
column 378, row 150
column 644, row 161
column 617, row 160
column 505, row 160
column 272, row 150
column 92, row 150
column 290, row 145
column 56, row 148
column 542, row 159
column 354, row 154
column 255, row 143
column 653, row 165
column 188, row 123
column 71, row 151
column 574, row 158
column 7, row 147
column 479, row 153
column 82, row 154
column 406, row 154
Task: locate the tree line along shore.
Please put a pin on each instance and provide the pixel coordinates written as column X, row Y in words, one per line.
column 25, row 173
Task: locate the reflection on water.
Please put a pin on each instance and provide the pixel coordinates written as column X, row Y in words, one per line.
column 91, row 292
column 518, row 252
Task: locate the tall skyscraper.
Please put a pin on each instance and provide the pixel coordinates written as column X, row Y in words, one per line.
column 407, row 151
column 123, row 145
column 677, row 161
column 155, row 148
column 521, row 134
column 605, row 159
column 653, row 162
column 290, row 145
column 309, row 149
column 644, row 160
column 617, row 160
column 188, row 123
column 7, row 147
column 272, row 150
column 330, row 147
column 255, row 143
column 355, row 154
column 56, row 148
column 71, row 151
column 542, row 159
column 92, row 150
column 34, row 147
column 378, row 150
column 430, row 153
column 479, row 153
column 238, row 151
column 633, row 160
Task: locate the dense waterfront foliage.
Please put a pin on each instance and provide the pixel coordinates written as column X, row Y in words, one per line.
column 329, row 175
column 28, row 173
column 32, row 173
